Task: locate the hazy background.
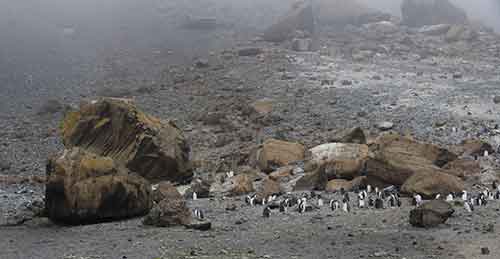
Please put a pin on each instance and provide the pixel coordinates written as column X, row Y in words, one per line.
column 53, row 44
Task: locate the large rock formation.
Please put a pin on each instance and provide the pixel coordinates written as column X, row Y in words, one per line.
column 344, row 161
column 338, row 184
column 430, row 183
column 396, row 158
column 277, row 153
column 431, row 214
column 115, row 128
column 418, row 13
column 83, row 187
column 165, row 190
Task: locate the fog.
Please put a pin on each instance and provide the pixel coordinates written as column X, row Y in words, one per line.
column 63, row 40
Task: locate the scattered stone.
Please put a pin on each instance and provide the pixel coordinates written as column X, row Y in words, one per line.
column 457, row 75
column 460, row 33
column 169, row 213
column 51, row 106
column 496, row 99
column 4, row 165
column 83, row 187
column 200, row 225
column 146, row 145
column 277, row 153
column 385, row 125
column 435, row 30
column 346, row 82
column 251, row 51
column 301, row 45
column 201, row 63
column 431, row 214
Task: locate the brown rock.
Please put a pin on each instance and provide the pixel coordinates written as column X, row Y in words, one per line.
column 267, row 188
column 281, row 173
column 165, row 190
column 337, row 184
column 344, row 161
column 463, row 168
column 396, row 158
column 277, row 153
column 86, row 188
column 115, row 128
column 431, row 214
column 169, row 213
column 240, row 185
column 315, row 180
column 201, row 187
column 430, row 183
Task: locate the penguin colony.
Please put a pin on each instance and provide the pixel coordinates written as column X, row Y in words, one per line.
column 368, row 198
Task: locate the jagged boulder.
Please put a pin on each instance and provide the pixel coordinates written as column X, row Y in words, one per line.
column 313, row 180
column 431, row 214
column 267, row 188
column 83, row 187
column 430, row 183
column 464, row 168
column 144, row 144
column 341, row 160
column 277, row 153
column 354, row 135
column 395, row 158
column 239, row 185
column 165, row 190
column 169, row 213
column 417, row 13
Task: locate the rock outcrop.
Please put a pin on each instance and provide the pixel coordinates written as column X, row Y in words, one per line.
column 83, row 187
column 169, row 213
column 277, row 153
column 396, row 158
column 344, row 161
column 418, row 13
column 431, row 214
column 165, row 190
column 430, row 183
column 338, row 184
column 300, row 18
column 115, row 128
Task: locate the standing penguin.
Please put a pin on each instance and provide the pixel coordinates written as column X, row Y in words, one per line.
column 283, row 206
column 450, row 197
column 417, row 200
column 266, row 212
column 362, row 200
column 320, row 201
column 468, row 206
column 334, row 205
column 368, row 188
column 464, row 195
column 345, row 205
column 438, row 196
column 379, row 203
column 302, row 205
column 195, row 196
column 250, row 200
column 199, row 214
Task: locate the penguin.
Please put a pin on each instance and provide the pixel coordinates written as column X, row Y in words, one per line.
column 464, row 195
column 450, row 198
column 486, row 154
column 199, row 214
column 320, row 201
column 398, row 200
column 438, row 196
column 494, row 185
column 266, row 212
column 468, row 207
column 334, row 205
column 346, row 197
column 230, row 174
column 361, row 202
column 342, row 191
column 302, row 205
column 392, row 201
column 417, row 200
column 345, row 205
column 283, row 206
column 379, row 203
column 371, row 202
column 497, row 195
column 250, row 200
column 368, row 188
column 195, row 196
